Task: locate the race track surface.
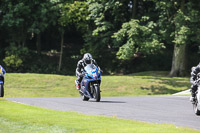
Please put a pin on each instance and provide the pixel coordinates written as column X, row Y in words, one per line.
column 175, row 110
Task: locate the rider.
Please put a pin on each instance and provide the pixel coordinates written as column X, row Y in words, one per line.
column 194, row 72
column 87, row 59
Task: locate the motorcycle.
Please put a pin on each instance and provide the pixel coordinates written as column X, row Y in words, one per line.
column 90, row 84
column 196, row 103
column 2, row 72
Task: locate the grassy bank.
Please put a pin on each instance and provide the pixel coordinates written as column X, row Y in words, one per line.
column 44, row 85
column 19, row 118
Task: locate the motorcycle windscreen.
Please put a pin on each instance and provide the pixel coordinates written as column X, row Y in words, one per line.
column 90, row 68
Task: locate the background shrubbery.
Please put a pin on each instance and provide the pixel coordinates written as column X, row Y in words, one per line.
column 22, row 59
column 34, row 34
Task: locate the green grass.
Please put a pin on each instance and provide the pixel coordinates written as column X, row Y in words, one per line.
column 139, row 84
column 39, row 85
column 19, row 118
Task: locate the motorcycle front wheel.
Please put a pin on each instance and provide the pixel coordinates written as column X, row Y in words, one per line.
column 1, row 90
column 96, row 93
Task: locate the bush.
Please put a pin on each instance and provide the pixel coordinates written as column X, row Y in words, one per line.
column 15, row 57
column 13, row 61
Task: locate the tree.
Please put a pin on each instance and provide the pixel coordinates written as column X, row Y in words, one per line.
column 24, row 19
column 180, row 40
column 177, row 21
column 104, row 19
column 43, row 14
column 137, row 38
column 138, row 35
column 71, row 14
column 14, row 17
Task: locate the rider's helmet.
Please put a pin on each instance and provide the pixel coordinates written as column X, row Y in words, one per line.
column 192, row 71
column 87, row 58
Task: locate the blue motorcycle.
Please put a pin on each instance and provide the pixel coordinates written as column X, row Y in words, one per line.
column 90, row 84
column 2, row 72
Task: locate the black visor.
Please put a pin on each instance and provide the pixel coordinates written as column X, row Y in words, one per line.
column 88, row 61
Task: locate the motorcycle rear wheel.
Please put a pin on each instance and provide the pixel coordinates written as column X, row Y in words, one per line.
column 1, row 90
column 84, row 98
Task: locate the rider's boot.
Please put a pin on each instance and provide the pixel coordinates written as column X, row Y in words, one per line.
column 77, row 85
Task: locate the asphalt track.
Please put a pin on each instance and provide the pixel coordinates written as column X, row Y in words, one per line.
column 175, row 110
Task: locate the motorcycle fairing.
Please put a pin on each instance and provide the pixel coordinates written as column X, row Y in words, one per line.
column 92, row 75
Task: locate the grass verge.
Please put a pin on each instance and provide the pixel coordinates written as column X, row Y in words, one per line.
column 19, row 118
column 139, row 84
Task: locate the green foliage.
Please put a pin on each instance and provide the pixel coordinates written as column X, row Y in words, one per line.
column 74, row 13
column 15, row 16
column 99, row 12
column 182, row 30
column 25, row 18
column 105, row 18
column 135, row 37
column 13, row 61
column 182, row 35
column 103, row 28
column 43, row 14
column 178, row 25
column 193, row 14
column 15, row 57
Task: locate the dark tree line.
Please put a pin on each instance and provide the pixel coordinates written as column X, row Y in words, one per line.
column 124, row 36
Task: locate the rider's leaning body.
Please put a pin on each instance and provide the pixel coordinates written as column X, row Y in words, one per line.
column 87, row 59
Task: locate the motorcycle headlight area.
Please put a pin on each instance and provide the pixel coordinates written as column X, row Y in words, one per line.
column 90, row 77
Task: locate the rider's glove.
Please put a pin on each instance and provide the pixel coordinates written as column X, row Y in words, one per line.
column 100, row 69
column 81, row 74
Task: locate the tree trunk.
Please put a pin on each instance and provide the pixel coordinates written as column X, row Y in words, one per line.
column 24, row 41
column 61, row 51
column 23, row 36
column 38, row 43
column 179, row 61
column 134, row 6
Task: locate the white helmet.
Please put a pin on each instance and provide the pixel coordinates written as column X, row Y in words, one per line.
column 87, row 58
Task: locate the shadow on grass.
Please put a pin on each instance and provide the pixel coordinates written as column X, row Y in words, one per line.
column 171, row 81
column 157, row 90
column 164, row 83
